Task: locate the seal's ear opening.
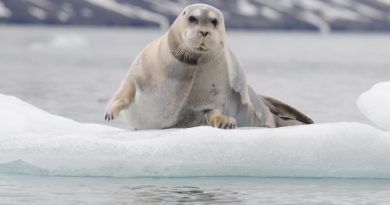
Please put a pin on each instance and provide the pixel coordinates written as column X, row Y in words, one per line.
column 184, row 13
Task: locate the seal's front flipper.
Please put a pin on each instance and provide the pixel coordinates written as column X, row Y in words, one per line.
column 216, row 119
column 121, row 99
column 285, row 111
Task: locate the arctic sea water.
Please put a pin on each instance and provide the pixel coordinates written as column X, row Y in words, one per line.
column 72, row 72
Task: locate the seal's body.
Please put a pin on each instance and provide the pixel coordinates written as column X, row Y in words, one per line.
column 189, row 77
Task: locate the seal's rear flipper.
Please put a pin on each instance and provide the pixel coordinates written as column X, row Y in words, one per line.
column 285, row 111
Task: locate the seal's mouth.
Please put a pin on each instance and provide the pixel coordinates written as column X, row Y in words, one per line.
column 202, row 48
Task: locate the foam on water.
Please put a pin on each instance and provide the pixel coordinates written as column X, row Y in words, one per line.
column 33, row 141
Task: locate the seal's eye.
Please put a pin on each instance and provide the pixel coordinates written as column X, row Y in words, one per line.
column 192, row 19
column 214, row 22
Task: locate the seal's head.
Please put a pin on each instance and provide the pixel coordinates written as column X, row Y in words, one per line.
column 198, row 30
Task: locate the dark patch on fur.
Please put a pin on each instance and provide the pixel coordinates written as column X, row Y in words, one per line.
column 180, row 74
column 186, row 56
column 214, row 90
column 188, row 118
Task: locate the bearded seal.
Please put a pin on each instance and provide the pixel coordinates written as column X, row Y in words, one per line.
column 189, row 77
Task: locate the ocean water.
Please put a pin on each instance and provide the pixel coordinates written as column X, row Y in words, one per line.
column 73, row 72
column 76, row 190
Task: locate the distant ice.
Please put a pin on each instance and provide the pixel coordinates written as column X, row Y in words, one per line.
column 4, row 11
column 312, row 5
column 331, row 13
column 345, row 3
column 66, row 12
column 369, row 11
column 322, row 14
column 63, row 16
column 384, row 1
column 375, row 104
column 86, row 13
column 33, row 141
column 270, row 13
column 246, row 8
column 63, row 41
column 168, row 6
column 133, row 11
column 47, row 4
column 67, row 7
column 348, row 10
column 37, row 12
column 277, row 5
column 342, row 14
column 285, row 3
column 315, row 20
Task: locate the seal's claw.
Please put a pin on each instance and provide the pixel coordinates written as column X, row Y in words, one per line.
column 113, row 109
column 223, row 122
column 109, row 116
column 232, row 123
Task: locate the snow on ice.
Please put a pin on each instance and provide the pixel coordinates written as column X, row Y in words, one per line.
column 375, row 104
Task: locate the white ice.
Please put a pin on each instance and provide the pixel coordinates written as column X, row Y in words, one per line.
column 132, row 11
column 33, row 141
column 4, row 11
column 375, row 104
column 246, row 8
column 38, row 12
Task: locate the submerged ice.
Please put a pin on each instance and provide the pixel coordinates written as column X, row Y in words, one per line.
column 33, row 141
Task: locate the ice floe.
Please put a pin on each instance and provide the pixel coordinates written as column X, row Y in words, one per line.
column 375, row 104
column 33, row 141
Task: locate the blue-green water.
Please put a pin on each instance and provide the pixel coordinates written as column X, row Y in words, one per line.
column 18, row 189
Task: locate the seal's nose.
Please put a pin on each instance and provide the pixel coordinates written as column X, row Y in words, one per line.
column 204, row 33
